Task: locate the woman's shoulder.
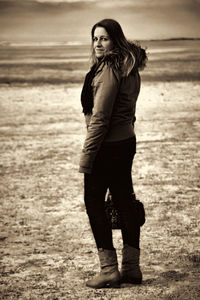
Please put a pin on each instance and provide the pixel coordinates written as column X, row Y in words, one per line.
column 108, row 68
column 126, row 61
column 114, row 60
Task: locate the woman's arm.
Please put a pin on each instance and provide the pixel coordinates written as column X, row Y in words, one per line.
column 105, row 93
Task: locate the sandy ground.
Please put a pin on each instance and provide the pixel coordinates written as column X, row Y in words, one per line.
column 46, row 247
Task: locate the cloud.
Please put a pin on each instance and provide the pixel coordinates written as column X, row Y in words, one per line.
column 69, row 20
column 62, row 1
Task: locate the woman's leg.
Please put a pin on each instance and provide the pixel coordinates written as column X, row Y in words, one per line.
column 123, row 198
column 121, row 187
column 95, row 188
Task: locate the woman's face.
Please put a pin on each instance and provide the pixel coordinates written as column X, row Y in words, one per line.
column 101, row 42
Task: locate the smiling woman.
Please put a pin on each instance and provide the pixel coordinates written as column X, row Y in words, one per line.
column 101, row 42
column 109, row 96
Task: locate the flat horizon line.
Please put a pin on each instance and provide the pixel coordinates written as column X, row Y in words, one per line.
column 79, row 43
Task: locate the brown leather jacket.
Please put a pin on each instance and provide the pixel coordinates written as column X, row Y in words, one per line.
column 113, row 114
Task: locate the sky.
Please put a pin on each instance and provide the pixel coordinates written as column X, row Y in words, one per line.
column 72, row 20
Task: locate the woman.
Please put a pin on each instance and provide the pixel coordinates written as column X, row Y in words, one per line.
column 108, row 98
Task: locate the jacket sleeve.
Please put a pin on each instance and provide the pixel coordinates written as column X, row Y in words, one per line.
column 105, row 93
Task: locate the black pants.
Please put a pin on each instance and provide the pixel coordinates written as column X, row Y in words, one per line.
column 112, row 170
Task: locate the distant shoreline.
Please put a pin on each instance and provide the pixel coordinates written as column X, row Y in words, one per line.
column 77, row 43
column 174, row 39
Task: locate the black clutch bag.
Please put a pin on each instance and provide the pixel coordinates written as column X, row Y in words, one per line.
column 113, row 214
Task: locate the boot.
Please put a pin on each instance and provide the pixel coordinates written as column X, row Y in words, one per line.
column 109, row 275
column 130, row 271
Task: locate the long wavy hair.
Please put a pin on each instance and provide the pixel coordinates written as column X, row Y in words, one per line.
column 129, row 54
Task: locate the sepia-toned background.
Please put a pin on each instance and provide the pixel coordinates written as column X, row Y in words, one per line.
column 46, row 247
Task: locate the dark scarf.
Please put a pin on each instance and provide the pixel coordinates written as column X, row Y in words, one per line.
column 87, row 100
